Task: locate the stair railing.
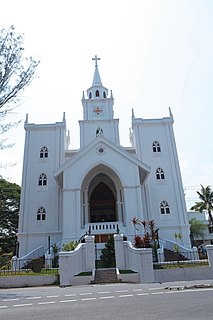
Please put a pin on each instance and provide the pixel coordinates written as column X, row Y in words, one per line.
column 186, row 252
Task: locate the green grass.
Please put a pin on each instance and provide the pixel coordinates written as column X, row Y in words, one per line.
column 180, row 265
column 83, row 274
column 11, row 273
column 126, row 271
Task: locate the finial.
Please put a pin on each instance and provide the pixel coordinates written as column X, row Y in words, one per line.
column 133, row 115
column 170, row 112
column 26, row 120
column 64, row 117
column 96, row 59
column 83, row 96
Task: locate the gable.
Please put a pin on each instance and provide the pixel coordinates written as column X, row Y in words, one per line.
column 128, row 168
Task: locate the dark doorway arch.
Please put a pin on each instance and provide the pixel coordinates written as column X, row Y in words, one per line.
column 102, row 204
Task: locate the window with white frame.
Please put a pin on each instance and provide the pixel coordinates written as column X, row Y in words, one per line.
column 159, row 173
column 41, row 214
column 42, row 180
column 156, row 146
column 164, row 207
column 44, row 152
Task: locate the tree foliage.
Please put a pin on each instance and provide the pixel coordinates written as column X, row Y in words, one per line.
column 206, row 203
column 9, row 212
column 197, row 228
column 16, row 72
column 108, row 254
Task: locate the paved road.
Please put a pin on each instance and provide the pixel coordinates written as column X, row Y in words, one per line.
column 120, row 301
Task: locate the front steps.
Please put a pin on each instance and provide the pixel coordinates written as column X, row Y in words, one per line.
column 173, row 256
column 105, row 276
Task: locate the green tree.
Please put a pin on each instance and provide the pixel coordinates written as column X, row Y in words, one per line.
column 206, row 203
column 16, row 72
column 197, row 228
column 108, row 253
column 9, row 213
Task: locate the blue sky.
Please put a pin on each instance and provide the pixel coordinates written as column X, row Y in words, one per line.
column 155, row 54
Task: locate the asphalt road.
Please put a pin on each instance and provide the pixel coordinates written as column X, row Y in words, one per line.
column 120, row 301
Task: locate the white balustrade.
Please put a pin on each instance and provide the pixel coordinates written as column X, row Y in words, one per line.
column 103, row 227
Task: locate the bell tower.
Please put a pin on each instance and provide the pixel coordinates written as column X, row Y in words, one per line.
column 98, row 115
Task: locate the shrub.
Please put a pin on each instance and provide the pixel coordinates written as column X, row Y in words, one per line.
column 36, row 265
column 70, row 246
column 108, row 254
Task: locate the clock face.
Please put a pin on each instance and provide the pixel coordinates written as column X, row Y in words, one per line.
column 97, row 112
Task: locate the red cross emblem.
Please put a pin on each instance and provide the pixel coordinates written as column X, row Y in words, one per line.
column 97, row 110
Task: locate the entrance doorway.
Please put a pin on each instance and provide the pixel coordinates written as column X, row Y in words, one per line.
column 102, row 204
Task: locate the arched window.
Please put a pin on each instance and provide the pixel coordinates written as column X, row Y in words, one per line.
column 159, row 173
column 164, row 207
column 104, row 94
column 41, row 214
column 156, row 146
column 42, row 180
column 97, row 93
column 90, row 95
column 44, row 152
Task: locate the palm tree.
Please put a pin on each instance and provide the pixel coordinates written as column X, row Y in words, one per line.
column 206, row 203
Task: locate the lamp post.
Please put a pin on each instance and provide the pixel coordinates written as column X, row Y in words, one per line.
column 48, row 244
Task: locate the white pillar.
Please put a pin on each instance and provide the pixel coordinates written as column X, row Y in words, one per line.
column 119, row 251
column 145, row 266
column 90, row 253
column 209, row 249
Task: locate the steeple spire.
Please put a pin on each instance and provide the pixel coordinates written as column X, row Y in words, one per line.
column 96, row 78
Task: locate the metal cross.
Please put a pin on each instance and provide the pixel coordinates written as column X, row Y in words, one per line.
column 96, row 59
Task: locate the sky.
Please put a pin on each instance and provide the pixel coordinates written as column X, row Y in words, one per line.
column 155, row 55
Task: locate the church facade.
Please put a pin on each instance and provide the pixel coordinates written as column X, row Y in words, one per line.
column 101, row 186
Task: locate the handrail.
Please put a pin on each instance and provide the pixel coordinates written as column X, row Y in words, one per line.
column 171, row 245
column 38, row 252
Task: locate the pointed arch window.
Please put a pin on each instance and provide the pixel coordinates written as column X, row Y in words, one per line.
column 164, row 207
column 41, row 214
column 159, row 173
column 156, row 146
column 42, row 180
column 104, row 94
column 97, row 93
column 90, row 95
column 44, row 152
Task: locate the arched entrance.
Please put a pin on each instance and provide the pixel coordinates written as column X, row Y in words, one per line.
column 101, row 197
column 102, row 204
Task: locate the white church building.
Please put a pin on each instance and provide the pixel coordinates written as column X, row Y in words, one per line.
column 102, row 185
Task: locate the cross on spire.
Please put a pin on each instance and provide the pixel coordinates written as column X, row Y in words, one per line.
column 96, row 59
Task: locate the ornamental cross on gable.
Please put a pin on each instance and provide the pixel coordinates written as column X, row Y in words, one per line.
column 96, row 59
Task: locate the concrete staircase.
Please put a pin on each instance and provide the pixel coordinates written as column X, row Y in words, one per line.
column 105, row 276
column 173, row 256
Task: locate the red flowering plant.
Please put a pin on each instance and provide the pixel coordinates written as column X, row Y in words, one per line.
column 150, row 237
column 136, row 222
column 138, row 242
